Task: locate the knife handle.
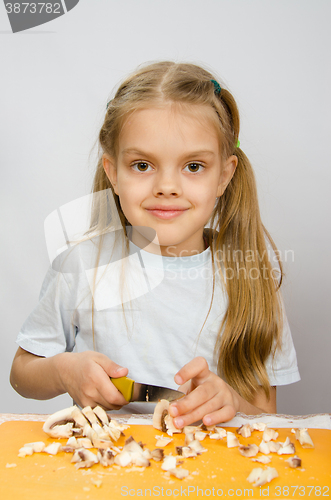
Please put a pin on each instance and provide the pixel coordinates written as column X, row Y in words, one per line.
column 124, row 385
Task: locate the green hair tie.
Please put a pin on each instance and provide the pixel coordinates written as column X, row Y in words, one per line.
column 217, row 87
column 238, row 144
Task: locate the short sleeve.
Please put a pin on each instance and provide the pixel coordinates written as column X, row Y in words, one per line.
column 49, row 329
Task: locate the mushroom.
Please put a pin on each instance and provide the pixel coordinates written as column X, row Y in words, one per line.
column 245, row 430
column 264, row 447
column 157, row 454
column 294, row 462
column 263, row 460
column 197, row 447
column 162, row 441
column 303, row 437
column 53, row 448
column 105, row 457
column 84, row 458
column 25, row 450
column 162, row 420
column 219, row 433
column 37, row 447
column 179, row 473
column 259, row 426
column 169, row 462
column 287, row 448
column 102, row 415
column 269, row 434
column 63, row 423
column 248, row 451
column 231, row 440
column 259, row 477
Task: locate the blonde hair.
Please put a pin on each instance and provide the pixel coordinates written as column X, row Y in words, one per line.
column 252, row 326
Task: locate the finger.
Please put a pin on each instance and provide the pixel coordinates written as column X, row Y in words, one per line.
column 194, row 399
column 197, row 413
column 222, row 415
column 111, row 368
column 196, row 368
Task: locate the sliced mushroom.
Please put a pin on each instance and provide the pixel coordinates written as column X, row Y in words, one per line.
column 264, row 448
column 102, row 415
column 160, row 411
column 197, row 447
column 61, row 423
column 259, row 426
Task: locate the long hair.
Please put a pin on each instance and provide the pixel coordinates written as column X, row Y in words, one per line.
column 252, row 326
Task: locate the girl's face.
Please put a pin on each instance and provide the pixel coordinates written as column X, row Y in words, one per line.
column 168, row 174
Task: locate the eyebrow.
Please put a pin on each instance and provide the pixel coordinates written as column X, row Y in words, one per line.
column 190, row 154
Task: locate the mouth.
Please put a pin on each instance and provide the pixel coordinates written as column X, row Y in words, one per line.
column 166, row 212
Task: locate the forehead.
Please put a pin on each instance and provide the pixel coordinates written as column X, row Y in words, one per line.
column 171, row 122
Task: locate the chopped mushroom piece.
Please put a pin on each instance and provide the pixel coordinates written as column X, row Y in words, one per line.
column 250, row 450
column 63, row 423
column 106, row 457
column 287, row 448
column 162, row 441
column 259, row 477
column 263, row 460
column 259, row 426
column 303, row 437
column 25, row 450
column 157, row 454
column 53, row 448
column 169, row 462
column 37, row 447
column 294, row 462
column 102, row 415
column 162, row 420
column 264, row 448
column 245, row 430
column 179, row 473
column 232, row 440
column 269, row 434
column 84, row 458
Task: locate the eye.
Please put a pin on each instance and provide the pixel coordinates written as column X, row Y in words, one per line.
column 194, row 167
column 141, row 166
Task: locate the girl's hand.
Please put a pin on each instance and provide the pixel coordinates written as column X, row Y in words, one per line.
column 208, row 397
column 86, row 377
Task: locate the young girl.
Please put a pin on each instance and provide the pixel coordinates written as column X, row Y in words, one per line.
column 190, row 294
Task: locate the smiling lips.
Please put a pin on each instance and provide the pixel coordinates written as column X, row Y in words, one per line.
column 166, row 212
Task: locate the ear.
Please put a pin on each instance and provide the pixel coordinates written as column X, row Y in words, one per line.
column 109, row 166
column 228, row 169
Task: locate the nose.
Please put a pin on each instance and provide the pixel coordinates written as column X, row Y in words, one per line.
column 167, row 183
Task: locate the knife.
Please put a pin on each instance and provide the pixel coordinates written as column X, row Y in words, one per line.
column 133, row 391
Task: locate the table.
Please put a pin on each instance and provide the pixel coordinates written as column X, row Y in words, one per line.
column 217, row 473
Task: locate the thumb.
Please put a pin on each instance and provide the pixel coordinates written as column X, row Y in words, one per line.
column 111, row 368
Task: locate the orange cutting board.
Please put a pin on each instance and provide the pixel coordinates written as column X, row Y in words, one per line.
column 219, row 472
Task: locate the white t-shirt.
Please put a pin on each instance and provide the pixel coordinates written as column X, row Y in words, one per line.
column 162, row 324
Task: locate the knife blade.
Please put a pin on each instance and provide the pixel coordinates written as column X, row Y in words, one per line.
column 134, row 391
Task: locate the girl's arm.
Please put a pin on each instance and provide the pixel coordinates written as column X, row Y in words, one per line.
column 211, row 399
column 85, row 376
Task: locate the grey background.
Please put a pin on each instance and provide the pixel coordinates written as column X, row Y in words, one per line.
column 56, row 79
